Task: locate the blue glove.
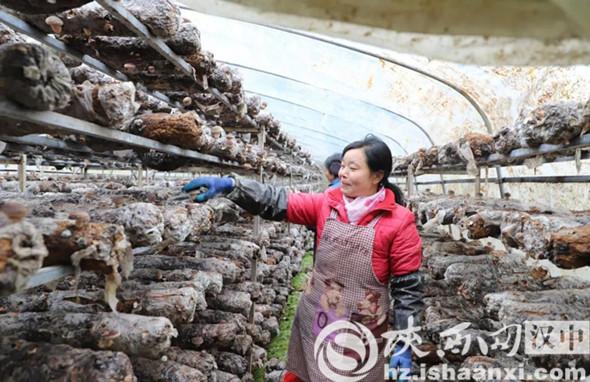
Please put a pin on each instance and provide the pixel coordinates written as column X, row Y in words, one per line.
column 403, row 361
column 214, row 185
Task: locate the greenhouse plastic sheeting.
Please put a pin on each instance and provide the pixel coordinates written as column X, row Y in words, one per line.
column 326, row 95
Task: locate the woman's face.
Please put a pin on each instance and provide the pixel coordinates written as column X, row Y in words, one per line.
column 356, row 177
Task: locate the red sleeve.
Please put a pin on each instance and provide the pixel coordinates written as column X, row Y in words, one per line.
column 303, row 208
column 406, row 249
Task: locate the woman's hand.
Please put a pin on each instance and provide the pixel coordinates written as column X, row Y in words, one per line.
column 215, row 185
column 402, row 360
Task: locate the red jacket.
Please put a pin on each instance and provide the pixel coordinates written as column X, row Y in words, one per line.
column 397, row 250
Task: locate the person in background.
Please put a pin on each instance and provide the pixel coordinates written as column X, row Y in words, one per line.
column 331, row 168
column 366, row 267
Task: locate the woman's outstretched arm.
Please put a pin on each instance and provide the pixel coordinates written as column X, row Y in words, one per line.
column 268, row 201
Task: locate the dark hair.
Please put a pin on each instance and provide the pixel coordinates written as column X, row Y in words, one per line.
column 332, row 164
column 379, row 158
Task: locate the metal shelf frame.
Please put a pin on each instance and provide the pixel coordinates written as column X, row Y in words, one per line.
column 136, row 26
column 69, row 124
column 515, row 157
column 131, row 22
column 48, row 274
column 553, row 153
column 78, row 126
column 517, row 179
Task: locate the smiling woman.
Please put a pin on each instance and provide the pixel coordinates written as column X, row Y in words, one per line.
column 356, row 176
column 364, row 167
column 367, row 243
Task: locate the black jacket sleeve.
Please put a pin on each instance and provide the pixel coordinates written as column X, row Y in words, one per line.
column 270, row 202
column 407, row 299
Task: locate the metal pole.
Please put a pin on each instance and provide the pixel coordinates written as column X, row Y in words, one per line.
column 253, row 261
column 85, row 169
column 477, row 190
column 410, row 182
column 500, row 178
column 487, row 180
column 443, row 185
column 139, row 176
column 22, row 173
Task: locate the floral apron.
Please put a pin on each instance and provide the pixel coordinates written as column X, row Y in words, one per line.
column 343, row 290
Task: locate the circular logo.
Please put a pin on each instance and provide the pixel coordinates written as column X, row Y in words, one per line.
column 351, row 338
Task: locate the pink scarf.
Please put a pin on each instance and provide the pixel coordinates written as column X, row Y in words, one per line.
column 358, row 207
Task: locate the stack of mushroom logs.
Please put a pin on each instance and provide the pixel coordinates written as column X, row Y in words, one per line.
column 556, row 124
column 504, row 262
column 69, row 87
column 487, row 281
column 543, row 233
column 177, row 273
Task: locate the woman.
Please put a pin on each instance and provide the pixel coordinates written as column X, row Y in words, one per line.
column 368, row 248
